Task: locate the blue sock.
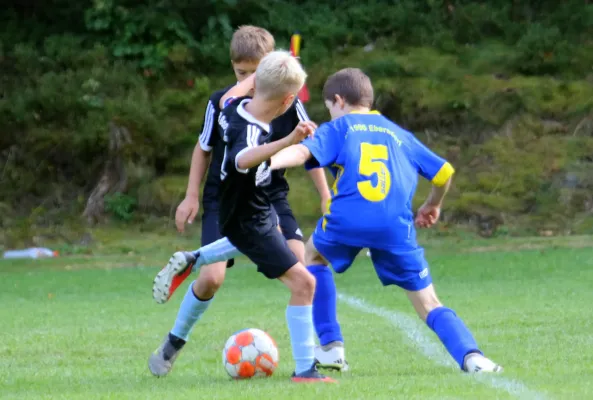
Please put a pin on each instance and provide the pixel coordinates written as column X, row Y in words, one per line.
column 190, row 311
column 220, row 250
column 457, row 339
column 302, row 336
column 325, row 314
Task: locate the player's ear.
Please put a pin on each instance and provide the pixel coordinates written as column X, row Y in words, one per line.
column 340, row 101
column 289, row 99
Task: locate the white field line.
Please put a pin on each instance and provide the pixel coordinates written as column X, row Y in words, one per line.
column 416, row 332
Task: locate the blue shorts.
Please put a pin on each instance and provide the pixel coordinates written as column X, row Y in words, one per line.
column 407, row 269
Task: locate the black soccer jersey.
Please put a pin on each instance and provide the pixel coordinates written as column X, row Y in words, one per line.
column 244, row 194
column 211, row 140
column 282, row 127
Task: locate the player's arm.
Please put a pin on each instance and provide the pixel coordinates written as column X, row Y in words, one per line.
column 200, row 160
column 292, row 156
column 317, row 174
column 440, row 173
column 428, row 214
column 254, row 155
column 243, row 88
column 319, row 150
column 438, row 192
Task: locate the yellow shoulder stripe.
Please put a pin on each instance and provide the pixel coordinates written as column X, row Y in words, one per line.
column 444, row 174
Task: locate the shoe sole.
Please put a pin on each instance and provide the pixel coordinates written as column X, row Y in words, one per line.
column 313, row 380
column 162, row 282
column 333, row 367
column 496, row 370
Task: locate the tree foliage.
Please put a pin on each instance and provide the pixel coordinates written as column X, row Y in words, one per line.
column 467, row 70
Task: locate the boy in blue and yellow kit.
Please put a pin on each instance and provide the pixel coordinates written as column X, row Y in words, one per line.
column 376, row 164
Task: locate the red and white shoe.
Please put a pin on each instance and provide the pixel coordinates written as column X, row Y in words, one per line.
column 311, row 376
column 176, row 271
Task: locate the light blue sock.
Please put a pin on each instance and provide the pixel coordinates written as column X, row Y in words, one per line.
column 220, row 250
column 302, row 336
column 190, row 311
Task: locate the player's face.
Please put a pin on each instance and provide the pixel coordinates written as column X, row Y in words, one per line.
column 244, row 69
column 337, row 108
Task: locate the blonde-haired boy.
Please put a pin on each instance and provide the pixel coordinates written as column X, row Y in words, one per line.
column 248, row 46
column 246, row 215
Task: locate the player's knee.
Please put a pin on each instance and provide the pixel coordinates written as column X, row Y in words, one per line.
column 214, row 281
column 211, row 279
column 424, row 301
column 304, row 285
column 312, row 256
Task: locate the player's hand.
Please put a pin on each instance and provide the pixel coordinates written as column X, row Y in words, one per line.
column 427, row 215
column 302, row 130
column 186, row 212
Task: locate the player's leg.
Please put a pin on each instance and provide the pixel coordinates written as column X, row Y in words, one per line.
column 451, row 330
column 290, row 228
column 319, row 252
column 223, row 250
column 214, row 249
column 195, row 303
column 409, row 270
column 270, row 252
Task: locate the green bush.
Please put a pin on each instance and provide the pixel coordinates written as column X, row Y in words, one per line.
column 500, row 88
column 120, row 206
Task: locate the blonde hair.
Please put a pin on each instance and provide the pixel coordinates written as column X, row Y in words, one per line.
column 251, row 43
column 278, row 74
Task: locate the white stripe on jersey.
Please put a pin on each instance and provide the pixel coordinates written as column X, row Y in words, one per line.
column 301, row 112
column 208, row 127
column 253, row 133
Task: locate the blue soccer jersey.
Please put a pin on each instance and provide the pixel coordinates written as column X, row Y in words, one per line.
column 376, row 165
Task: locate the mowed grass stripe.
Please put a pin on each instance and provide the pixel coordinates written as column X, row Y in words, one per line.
column 430, row 348
column 86, row 333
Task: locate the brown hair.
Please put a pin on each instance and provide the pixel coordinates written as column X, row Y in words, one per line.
column 353, row 85
column 251, row 43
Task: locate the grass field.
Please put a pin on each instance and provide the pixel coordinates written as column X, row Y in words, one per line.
column 82, row 327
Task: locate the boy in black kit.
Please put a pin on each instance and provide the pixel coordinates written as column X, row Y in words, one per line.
column 248, row 46
column 246, row 215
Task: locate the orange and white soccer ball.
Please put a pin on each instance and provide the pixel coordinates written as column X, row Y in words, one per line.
column 249, row 353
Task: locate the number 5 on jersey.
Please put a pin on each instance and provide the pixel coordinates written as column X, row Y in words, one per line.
column 373, row 159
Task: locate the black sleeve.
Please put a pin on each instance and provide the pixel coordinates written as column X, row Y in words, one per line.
column 240, row 140
column 300, row 110
column 209, row 136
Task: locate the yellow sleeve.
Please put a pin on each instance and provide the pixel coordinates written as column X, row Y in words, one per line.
column 444, row 174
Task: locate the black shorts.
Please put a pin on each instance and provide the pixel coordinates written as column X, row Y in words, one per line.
column 211, row 231
column 286, row 220
column 268, row 250
column 283, row 215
